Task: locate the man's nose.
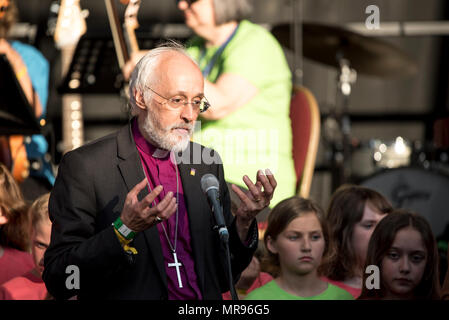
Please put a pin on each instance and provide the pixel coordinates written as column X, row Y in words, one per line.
column 188, row 113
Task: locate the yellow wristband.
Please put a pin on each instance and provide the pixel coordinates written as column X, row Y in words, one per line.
column 125, row 243
column 21, row 73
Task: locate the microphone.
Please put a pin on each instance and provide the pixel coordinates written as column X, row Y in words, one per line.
column 210, row 186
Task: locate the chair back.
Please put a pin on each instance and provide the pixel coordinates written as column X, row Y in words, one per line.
column 305, row 122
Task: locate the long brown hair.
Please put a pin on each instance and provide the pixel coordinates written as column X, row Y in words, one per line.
column 382, row 240
column 279, row 218
column 345, row 210
column 15, row 233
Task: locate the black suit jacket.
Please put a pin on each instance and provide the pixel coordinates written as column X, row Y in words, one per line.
column 89, row 194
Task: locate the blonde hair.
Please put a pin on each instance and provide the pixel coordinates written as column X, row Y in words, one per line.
column 39, row 210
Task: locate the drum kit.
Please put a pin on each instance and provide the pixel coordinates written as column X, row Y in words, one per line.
column 399, row 169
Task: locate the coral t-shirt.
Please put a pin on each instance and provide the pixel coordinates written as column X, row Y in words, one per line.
column 354, row 291
column 26, row 287
column 14, row 263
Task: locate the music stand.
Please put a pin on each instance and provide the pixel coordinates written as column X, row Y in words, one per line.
column 16, row 114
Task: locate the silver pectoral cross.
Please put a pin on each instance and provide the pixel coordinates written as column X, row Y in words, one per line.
column 176, row 264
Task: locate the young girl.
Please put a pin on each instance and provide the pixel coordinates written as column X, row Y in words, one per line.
column 353, row 213
column 405, row 250
column 297, row 240
column 30, row 286
column 14, row 229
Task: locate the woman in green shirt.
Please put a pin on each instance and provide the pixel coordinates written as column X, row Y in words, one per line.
column 248, row 83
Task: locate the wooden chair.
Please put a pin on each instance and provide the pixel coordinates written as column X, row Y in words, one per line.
column 305, row 121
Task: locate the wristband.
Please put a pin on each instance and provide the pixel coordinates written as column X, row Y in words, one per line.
column 126, row 232
column 125, row 243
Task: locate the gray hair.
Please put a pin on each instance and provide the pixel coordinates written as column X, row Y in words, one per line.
column 230, row 10
column 144, row 74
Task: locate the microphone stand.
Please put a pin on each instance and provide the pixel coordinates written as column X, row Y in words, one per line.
column 224, row 238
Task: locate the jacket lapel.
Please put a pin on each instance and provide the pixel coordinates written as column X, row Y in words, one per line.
column 198, row 218
column 130, row 167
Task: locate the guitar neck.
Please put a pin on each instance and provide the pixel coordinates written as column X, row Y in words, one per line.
column 70, row 26
column 72, row 111
column 117, row 33
column 131, row 40
column 125, row 40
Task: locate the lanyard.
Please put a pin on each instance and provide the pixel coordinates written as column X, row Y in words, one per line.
column 214, row 58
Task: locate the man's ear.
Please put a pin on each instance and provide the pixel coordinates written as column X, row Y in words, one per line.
column 140, row 102
column 3, row 218
column 271, row 245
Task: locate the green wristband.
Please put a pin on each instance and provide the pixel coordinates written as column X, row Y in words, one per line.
column 126, row 232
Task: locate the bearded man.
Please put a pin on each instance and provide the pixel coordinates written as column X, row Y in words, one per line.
column 128, row 212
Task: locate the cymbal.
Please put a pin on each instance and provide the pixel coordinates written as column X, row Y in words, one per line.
column 367, row 55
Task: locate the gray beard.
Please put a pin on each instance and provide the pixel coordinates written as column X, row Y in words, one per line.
column 162, row 137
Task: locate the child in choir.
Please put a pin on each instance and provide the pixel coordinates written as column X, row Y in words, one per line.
column 30, row 286
column 404, row 249
column 353, row 213
column 297, row 240
column 15, row 259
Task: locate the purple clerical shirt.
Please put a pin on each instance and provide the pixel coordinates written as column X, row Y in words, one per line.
column 160, row 170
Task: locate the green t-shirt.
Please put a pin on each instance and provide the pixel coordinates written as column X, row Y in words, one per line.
column 271, row 291
column 257, row 135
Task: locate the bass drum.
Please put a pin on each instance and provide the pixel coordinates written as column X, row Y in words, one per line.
column 425, row 192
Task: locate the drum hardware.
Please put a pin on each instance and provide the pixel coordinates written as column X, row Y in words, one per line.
column 369, row 56
column 350, row 53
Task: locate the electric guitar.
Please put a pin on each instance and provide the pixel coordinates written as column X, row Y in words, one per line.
column 131, row 24
column 125, row 43
column 70, row 26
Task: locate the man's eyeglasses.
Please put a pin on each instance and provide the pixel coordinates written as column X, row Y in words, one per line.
column 177, row 102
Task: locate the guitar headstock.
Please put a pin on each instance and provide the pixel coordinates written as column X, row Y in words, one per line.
column 131, row 14
column 71, row 24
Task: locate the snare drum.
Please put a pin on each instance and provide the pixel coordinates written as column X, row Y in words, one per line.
column 425, row 192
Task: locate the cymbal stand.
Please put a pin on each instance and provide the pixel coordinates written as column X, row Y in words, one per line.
column 297, row 39
column 341, row 166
